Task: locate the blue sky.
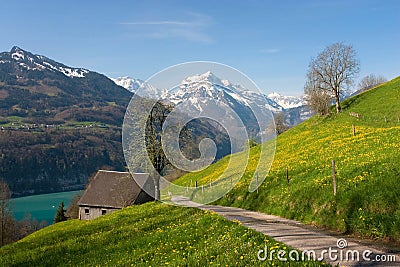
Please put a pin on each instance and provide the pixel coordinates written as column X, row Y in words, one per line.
column 270, row 41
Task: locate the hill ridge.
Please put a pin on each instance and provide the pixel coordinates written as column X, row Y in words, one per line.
column 364, row 162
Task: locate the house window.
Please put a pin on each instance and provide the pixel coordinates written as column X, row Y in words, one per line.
column 103, row 212
column 86, row 211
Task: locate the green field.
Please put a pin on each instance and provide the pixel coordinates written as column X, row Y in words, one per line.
column 40, row 207
column 152, row 234
column 367, row 164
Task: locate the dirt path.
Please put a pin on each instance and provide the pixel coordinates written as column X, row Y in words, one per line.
column 295, row 234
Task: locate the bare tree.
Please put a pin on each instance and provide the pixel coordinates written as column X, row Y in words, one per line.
column 154, row 147
column 73, row 207
column 7, row 222
column 280, row 125
column 154, row 125
column 318, row 100
column 26, row 226
column 370, row 81
column 333, row 71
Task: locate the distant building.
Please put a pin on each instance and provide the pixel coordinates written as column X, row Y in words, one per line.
column 110, row 191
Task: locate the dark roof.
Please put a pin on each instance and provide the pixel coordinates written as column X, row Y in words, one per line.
column 112, row 189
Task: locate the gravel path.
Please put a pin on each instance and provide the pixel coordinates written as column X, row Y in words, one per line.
column 344, row 250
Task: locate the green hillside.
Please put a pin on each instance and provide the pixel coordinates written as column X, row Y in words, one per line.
column 367, row 164
column 152, row 234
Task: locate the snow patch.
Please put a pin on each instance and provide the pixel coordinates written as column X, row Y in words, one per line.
column 40, row 66
column 128, row 83
column 79, row 73
column 18, row 55
column 26, row 66
column 286, row 101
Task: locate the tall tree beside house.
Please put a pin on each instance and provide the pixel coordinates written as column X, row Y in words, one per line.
column 333, row 71
column 154, row 146
column 60, row 215
column 155, row 151
column 7, row 221
column 142, row 141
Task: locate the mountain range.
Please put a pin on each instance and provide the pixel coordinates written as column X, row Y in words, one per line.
column 58, row 124
column 294, row 108
column 34, row 86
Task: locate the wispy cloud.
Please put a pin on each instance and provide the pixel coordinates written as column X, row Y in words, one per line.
column 193, row 29
column 161, row 22
column 270, row 51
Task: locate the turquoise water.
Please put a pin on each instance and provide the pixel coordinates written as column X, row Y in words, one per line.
column 41, row 207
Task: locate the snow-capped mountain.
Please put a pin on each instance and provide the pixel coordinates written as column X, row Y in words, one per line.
column 287, row 102
column 129, row 83
column 198, row 94
column 28, row 61
column 207, row 85
column 41, row 89
column 191, row 87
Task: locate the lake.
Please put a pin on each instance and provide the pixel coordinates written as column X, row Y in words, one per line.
column 41, row 207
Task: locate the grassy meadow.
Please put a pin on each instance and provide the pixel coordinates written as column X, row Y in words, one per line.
column 151, row 234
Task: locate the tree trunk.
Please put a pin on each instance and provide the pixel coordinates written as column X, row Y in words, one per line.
column 2, row 231
column 156, row 181
column 157, row 189
column 338, row 107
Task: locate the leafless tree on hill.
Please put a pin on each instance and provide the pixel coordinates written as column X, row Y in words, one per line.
column 318, row 100
column 280, row 125
column 370, row 81
column 332, row 72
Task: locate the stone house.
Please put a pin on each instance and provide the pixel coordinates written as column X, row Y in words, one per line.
column 110, row 191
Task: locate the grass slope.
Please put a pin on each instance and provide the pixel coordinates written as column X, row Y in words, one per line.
column 152, row 234
column 367, row 166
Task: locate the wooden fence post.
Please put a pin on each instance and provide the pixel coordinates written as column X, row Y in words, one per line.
column 257, row 181
column 334, row 177
column 353, row 129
